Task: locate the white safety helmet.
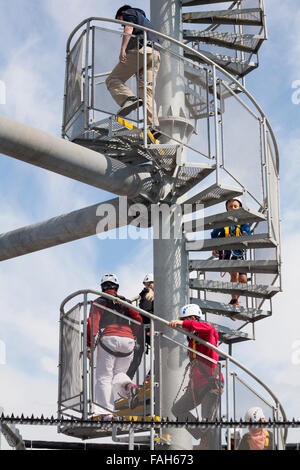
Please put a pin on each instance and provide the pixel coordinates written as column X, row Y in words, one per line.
column 191, row 310
column 148, row 278
column 234, row 199
column 109, row 278
column 254, row 414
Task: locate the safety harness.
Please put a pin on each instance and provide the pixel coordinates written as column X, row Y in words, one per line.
column 229, row 232
column 213, row 381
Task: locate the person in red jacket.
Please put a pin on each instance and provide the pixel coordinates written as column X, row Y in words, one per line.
column 204, row 381
column 113, row 338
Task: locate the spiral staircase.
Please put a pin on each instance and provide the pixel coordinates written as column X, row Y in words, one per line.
column 215, row 59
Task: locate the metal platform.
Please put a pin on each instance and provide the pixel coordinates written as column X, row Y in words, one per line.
column 232, row 243
column 214, row 194
column 191, row 3
column 235, row 288
column 224, row 219
column 247, row 266
column 239, row 312
column 245, row 16
column 240, row 67
column 241, row 42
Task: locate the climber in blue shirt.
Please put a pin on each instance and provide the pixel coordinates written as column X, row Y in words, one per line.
column 233, row 231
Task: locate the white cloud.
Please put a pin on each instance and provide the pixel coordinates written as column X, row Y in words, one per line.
column 50, row 365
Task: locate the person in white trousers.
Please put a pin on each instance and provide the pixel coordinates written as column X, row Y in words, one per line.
column 114, row 342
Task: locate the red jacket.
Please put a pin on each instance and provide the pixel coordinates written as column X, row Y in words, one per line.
column 110, row 324
column 202, row 370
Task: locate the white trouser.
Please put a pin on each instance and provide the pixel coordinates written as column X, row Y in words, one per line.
column 110, row 371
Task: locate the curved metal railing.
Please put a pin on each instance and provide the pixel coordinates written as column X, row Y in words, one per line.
column 198, row 54
column 160, row 321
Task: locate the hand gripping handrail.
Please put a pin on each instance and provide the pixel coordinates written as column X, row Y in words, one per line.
column 196, row 53
column 153, row 317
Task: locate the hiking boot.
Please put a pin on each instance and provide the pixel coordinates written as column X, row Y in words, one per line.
column 130, row 105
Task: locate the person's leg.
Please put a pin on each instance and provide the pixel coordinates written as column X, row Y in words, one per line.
column 115, row 82
column 138, row 354
column 189, row 401
column 122, row 383
column 153, row 64
column 103, row 381
column 210, row 407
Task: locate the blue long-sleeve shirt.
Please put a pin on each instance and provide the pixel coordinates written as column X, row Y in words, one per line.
column 220, row 233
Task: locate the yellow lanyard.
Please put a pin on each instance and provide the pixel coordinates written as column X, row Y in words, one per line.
column 237, row 231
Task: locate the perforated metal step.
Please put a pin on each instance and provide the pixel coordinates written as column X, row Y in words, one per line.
column 240, row 313
column 231, row 64
column 241, row 266
column 238, row 243
column 189, row 176
column 214, row 194
column 235, row 288
column 191, row 3
column 230, row 336
column 241, row 42
column 224, row 219
column 202, row 79
column 245, row 16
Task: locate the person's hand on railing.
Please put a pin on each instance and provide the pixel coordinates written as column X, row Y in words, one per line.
column 175, row 323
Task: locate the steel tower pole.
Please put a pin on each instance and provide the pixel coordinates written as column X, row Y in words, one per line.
column 170, row 257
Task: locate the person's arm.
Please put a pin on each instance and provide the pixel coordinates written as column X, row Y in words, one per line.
column 137, row 317
column 125, row 40
column 245, row 229
column 217, row 232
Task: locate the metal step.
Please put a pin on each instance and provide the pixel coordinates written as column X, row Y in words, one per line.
column 240, row 42
column 214, row 194
column 200, row 78
column 231, row 64
column 241, row 266
column 191, row 3
column 189, row 176
column 245, row 16
column 240, row 313
column 230, row 336
column 232, row 243
column 235, row 288
column 224, row 219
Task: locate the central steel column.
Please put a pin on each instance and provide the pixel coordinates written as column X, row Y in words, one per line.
column 170, row 256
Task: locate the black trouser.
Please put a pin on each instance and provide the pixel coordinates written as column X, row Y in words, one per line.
column 138, row 352
column 208, row 396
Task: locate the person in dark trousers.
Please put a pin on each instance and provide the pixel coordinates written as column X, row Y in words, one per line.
column 131, row 63
column 256, row 438
column 113, row 338
column 233, row 231
column 205, row 384
column 146, row 303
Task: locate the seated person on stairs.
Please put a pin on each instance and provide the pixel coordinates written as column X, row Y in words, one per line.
column 233, row 231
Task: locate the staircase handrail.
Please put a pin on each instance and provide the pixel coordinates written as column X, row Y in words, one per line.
column 197, row 53
column 164, row 322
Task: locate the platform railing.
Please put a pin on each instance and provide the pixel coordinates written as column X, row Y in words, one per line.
column 76, row 372
column 231, row 129
column 86, row 26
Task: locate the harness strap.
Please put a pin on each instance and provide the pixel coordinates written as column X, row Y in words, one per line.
column 113, row 353
column 228, row 231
